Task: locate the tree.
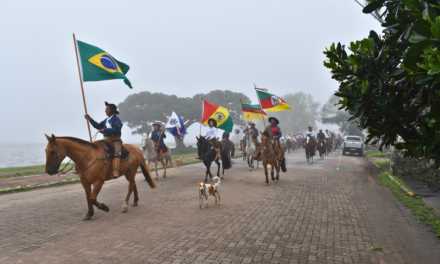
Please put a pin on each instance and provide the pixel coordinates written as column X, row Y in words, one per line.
column 391, row 82
column 331, row 114
column 140, row 111
column 304, row 114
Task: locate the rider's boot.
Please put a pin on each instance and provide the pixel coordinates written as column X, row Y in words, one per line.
column 160, row 154
column 218, row 152
column 257, row 153
column 116, row 162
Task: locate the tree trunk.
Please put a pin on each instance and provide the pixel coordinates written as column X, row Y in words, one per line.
column 179, row 144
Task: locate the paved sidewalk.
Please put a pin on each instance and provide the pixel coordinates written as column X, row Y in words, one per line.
column 323, row 216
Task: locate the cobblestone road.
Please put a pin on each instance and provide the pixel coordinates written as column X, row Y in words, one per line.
column 332, row 211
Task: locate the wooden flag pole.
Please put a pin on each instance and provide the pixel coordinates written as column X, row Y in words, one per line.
column 166, row 122
column 82, row 88
column 201, row 117
column 261, row 108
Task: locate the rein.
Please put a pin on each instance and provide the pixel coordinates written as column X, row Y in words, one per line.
column 209, row 149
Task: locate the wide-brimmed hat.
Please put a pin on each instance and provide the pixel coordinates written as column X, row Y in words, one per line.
column 310, row 127
column 212, row 119
column 157, row 124
column 251, row 123
column 273, row 118
column 112, row 106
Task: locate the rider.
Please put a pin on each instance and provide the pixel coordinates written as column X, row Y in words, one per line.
column 275, row 131
column 211, row 134
column 321, row 135
column 155, row 135
column 327, row 134
column 310, row 132
column 111, row 128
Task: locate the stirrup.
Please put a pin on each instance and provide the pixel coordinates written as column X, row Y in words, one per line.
column 115, row 177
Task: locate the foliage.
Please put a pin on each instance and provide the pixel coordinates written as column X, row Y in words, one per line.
column 140, row 111
column 304, row 114
column 426, row 214
column 375, row 153
column 331, row 114
column 382, row 163
column 390, row 83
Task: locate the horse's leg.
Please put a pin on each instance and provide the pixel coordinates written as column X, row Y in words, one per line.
column 164, row 165
column 218, row 168
column 155, row 165
column 265, row 172
column 88, row 188
column 131, row 187
column 209, row 171
column 272, row 170
column 278, row 171
column 94, row 197
column 136, row 196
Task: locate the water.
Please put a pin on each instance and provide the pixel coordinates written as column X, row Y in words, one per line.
column 22, row 155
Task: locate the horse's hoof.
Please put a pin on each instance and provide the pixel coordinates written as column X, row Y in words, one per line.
column 276, row 181
column 134, row 204
column 157, row 177
column 266, row 184
column 250, row 169
column 124, row 209
column 105, row 208
column 164, row 176
column 86, row 217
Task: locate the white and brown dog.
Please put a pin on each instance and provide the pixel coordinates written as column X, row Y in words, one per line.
column 210, row 189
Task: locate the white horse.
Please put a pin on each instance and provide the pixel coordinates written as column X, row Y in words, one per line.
column 151, row 155
column 250, row 149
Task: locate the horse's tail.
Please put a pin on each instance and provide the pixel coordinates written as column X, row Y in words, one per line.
column 171, row 161
column 147, row 174
column 226, row 162
column 283, row 165
column 232, row 145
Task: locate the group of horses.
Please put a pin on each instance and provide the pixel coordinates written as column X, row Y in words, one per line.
column 323, row 146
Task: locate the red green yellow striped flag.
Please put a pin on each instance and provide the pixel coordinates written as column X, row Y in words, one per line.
column 251, row 112
column 219, row 114
column 271, row 102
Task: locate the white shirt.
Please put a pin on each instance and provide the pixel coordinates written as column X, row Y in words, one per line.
column 107, row 124
column 244, row 135
column 312, row 133
column 327, row 135
column 211, row 133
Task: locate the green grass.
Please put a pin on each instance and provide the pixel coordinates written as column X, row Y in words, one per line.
column 40, row 167
column 425, row 213
column 382, row 163
column 21, row 174
column 375, row 153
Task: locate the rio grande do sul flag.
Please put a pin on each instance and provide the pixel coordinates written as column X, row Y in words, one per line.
column 98, row 65
column 251, row 111
column 271, row 102
column 219, row 114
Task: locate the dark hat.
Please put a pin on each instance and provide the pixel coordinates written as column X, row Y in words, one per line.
column 157, row 124
column 112, row 106
column 251, row 123
column 212, row 119
column 310, row 127
column 273, row 118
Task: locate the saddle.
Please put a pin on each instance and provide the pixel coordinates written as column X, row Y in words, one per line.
column 165, row 147
column 109, row 150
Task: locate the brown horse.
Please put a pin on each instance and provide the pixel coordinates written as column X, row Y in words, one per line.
column 328, row 145
column 269, row 156
column 94, row 168
column 309, row 146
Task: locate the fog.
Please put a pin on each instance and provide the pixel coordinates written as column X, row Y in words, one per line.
column 173, row 47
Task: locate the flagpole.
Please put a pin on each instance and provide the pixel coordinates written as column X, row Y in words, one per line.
column 201, row 117
column 82, row 88
column 166, row 122
column 261, row 108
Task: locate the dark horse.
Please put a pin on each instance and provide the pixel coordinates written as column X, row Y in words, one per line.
column 321, row 148
column 229, row 143
column 309, row 146
column 289, row 145
column 207, row 154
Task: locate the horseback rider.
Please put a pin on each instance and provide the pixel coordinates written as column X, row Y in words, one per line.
column 211, row 134
column 111, row 128
column 275, row 131
column 327, row 134
column 155, row 135
column 321, row 135
column 310, row 132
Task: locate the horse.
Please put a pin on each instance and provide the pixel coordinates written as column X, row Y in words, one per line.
column 94, row 167
column 151, row 155
column 321, row 148
column 289, row 145
column 334, row 144
column 243, row 148
column 328, row 145
column 269, row 156
column 250, row 149
column 309, row 146
column 208, row 154
column 229, row 143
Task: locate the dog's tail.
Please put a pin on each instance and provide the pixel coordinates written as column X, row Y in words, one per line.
column 283, row 165
column 217, row 178
column 147, row 174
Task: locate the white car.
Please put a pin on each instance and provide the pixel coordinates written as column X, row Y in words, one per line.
column 353, row 144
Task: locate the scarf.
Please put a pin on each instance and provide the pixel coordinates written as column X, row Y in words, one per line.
column 274, row 130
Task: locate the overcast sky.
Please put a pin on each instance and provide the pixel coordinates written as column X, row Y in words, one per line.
column 174, row 47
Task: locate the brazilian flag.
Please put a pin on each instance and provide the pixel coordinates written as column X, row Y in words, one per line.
column 98, row 65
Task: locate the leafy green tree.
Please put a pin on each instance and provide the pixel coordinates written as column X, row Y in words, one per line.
column 390, row 83
column 140, row 111
column 304, row 114
column 331, row 114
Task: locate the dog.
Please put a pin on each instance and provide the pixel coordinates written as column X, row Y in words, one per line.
column 210, row 189
column 179, row 161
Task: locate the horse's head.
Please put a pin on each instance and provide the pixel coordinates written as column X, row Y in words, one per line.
column 201, row 143
column 145, row 140
column 264, row 140
column 54, row 155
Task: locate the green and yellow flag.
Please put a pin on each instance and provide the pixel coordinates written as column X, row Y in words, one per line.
column 251, row 112
column 219, row 114
column 98, row 65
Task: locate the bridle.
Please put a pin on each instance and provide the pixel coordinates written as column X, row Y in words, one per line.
column 265, row 149
column 204, row 145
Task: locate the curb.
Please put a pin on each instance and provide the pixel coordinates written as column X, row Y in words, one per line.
column 406, row 190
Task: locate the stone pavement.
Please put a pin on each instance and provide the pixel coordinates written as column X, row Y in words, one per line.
column 320, row 215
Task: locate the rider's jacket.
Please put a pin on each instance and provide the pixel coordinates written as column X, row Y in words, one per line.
column 272, row 133
column 155, row 137
column 321, row 136
column 311, row 133
column 255, row 132
column 211, row 133
column 112, row 126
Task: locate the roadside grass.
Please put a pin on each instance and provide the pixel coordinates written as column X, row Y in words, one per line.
column 425, row 213
column 39, row 167
column 21, row 174
column 382, row 163
column 375, row 153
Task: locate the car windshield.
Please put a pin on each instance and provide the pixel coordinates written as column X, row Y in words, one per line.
column 354, row 138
